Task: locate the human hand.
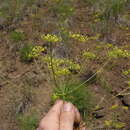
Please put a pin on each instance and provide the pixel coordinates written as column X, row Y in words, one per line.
column 61, row 116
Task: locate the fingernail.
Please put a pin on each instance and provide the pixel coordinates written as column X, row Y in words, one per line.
column 84, row 128
column 58, row 101
column 67, row 107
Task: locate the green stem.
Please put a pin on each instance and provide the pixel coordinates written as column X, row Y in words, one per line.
column 52, row 67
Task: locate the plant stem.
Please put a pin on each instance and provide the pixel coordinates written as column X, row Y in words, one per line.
column 52, row 67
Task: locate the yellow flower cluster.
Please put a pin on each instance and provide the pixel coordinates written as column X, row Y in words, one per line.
column 51, row 38
column 94, row 37
column 108, row 123
column 61, row 66
column 63, row 71
column 79, row 37
column 97, row 17
column 57, row 62
column 126, row 72
column 89, row 55
column 118, row 53
column 115, row 124
column 109, row 45
column 83, row 38
column 104, row 45
column 125, row 107
column 114, row 107
column 35, row 52
column 73, row 66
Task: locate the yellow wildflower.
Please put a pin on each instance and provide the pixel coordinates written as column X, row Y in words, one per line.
column 89, row 55
column 51, row 38
column 61, row 66
column 63, row 71
column 115, row 124
column 95, row 37
column 118, row 125
column 126, row 72
column 35, row 52
column 125, row 108
column 108, row 123
column 118, row 53
column 79, row 37
column 114, row 107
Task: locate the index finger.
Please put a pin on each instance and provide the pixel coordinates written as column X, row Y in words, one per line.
column 52, row 117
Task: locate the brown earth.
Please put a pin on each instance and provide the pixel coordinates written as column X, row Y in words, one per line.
column 27, row 88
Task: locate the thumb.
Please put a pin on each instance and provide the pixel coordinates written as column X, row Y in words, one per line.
column 51, row 120
column 67, row 117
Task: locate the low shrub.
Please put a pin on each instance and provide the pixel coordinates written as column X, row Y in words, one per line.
column 29, row 52
column 17, row 36
column 25, row 51
column 77, row 94
column 27, row 122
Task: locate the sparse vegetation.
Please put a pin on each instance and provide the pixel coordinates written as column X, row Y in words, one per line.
column 29, row 52
column 63, row 9
column 73, row 50
column 27, row 122
column 17, row 36
column 82, row 98
column 25, row 52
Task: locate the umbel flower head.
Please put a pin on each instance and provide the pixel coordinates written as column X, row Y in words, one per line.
column 119, row 53
column 79, row 37
column 35, row 52
column 61, row 67
column 51, row 38
column 89, row 55
column 83, row 38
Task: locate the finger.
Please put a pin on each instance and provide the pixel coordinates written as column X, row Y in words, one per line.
column 52, row 117
column 77, row 115
column 56, row 109
column 67, row 117
column 84, row 128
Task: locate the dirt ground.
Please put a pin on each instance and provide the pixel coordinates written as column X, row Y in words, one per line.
column 27, row 88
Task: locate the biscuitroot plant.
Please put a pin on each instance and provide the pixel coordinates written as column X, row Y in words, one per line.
column 67, row 87
column 62, row 70
column 30, row 52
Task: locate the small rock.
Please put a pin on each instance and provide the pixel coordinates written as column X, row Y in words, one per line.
column 126, row 100
column 61, row 51
column 99, row 113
